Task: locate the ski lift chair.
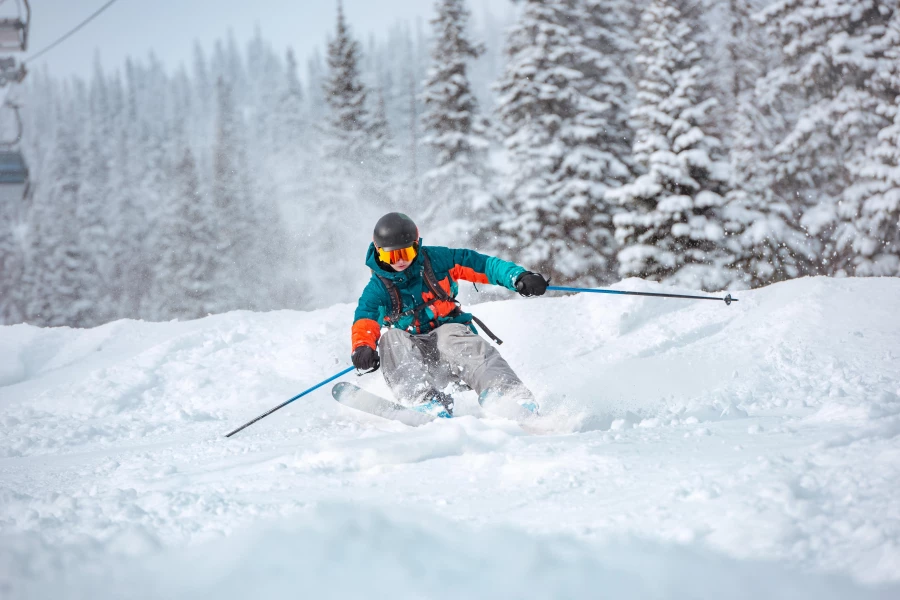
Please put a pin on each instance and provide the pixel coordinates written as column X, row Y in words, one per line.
column 14, row 32
column 9, row 73
column 13, row 177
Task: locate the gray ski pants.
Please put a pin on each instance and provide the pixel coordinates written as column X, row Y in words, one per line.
column 415, row 366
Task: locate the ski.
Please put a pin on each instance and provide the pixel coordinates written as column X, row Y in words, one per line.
column 355, row 397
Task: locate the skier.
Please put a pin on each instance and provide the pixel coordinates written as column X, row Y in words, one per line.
column 431, row 342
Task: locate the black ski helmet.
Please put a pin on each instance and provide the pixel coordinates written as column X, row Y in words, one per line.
column 394, row 231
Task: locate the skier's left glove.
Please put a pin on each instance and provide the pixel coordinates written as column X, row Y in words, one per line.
column 531, row 284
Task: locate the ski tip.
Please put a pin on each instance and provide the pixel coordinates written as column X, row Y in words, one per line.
column 339, row 388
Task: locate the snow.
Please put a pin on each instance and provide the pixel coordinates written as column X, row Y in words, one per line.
column 689, row 450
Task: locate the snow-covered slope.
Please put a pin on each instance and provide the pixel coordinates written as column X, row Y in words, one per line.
column 693, row 450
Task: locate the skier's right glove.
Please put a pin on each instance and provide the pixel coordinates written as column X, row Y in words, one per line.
column 365, row 359
column 531, row 284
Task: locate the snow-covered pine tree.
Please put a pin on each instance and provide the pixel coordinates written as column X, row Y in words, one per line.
column 130, row 173
column 874, row 235
column 128, row 218
column 200, row 125
column 315, row 83
column 352, row 153
column 457, row 186
column 389, row 189
column 345, row 94
column 290, row 173
column 764, row 233
column 400, row 72
column 870, row 227
column 59, row 261
column 95, row 202
column 155, row 188
column 670, row 227
column 412, row 80
column 185, row 273
column 562, row 109
column 292, row 149
column 834, row 54
column 291, row 120
column 12, row 264
column 238, row 283
column 265, row 75
column 346, row 206
column 384, row 184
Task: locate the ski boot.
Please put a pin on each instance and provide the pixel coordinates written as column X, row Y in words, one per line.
column 509, row 403
column 438, row 404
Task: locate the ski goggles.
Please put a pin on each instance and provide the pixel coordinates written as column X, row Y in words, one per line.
column 394, row 256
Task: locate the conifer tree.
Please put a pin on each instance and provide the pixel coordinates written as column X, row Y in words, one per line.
column 96, row 201
column 835, row 54
column 348, row 117
column 60, row 262
column 457, row 185
column 155, row 188
column 12, row 264
column 292, row 151
column 131, row 176
column 315, row 83
column 292, row 125
column 187, row 267
column 764, row 233
column 670, row 228
column 238, row 282
column 347, row 202
column 764, row 237
column 869, row 231
column 382, row 167
column 873, row 235
column 563, row 108
column 127, row 229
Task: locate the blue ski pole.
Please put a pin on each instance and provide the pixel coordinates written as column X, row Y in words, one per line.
column 283, row 404
column 727, row 299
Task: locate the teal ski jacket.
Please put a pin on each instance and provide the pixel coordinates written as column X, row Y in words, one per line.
column 449, row 265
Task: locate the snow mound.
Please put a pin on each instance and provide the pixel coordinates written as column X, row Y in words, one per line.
column 341, row 551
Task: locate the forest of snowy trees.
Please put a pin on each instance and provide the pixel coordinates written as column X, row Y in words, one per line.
column 709, row 144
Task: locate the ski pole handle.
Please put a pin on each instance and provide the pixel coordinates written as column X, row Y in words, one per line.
column 283, row 404
column 727, row 299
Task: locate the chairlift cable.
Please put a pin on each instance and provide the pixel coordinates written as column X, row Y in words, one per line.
column 66, row 36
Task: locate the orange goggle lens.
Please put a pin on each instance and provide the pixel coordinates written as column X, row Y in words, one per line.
column 394, row 256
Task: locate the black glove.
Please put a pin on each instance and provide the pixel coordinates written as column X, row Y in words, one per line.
column 531, row 284
column 365, row 359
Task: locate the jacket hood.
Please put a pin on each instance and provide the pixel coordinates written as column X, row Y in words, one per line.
column 397, row 277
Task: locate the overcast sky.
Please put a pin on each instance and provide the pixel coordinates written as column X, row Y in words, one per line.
column 170, row 27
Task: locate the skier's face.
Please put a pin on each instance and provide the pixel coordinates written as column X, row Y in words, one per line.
column 401, row 265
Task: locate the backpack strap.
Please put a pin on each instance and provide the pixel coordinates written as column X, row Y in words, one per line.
column 396, row 302
column 431, row 280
